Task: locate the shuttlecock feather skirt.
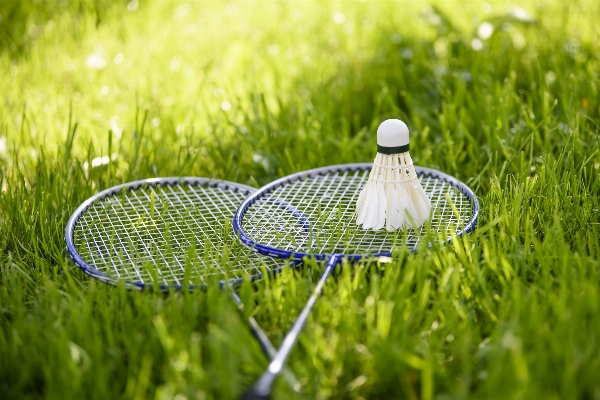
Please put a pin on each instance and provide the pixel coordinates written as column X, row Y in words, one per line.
column 393, row 196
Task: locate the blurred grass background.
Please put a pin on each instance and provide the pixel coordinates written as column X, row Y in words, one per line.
column 505, row 98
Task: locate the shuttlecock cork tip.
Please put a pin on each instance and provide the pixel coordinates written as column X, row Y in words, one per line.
column 392, row 137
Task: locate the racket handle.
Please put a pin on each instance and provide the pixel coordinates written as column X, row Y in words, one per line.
column 262, row 388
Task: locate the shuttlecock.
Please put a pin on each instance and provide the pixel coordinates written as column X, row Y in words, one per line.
column 393, row 196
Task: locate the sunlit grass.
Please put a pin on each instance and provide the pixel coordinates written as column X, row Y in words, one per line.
column 504, row 99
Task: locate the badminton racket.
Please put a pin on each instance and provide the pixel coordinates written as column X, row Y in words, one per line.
column 312, row 214
column 167, row 234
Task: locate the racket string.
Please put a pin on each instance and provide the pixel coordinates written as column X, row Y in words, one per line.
column 145, row 234
column 327, row 202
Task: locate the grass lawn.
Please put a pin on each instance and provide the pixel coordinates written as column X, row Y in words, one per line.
column 97, row 93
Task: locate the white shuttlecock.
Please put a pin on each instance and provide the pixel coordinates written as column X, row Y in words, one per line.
column 393, row 196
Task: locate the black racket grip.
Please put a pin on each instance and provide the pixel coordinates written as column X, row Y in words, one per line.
column 253, row 394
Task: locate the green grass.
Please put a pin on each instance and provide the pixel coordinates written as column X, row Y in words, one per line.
column 252, row 91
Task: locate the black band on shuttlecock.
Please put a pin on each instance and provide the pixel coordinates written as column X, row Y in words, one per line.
column 393, row 150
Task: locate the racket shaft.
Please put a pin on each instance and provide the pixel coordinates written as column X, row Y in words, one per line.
column 262, row 388
column 265, row 344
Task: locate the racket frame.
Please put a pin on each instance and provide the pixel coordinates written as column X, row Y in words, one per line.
column 299, row 255
column 262, row 387
column 89, row 270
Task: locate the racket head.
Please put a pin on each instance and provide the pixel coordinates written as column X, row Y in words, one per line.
column 165, row 233
column 312, row 214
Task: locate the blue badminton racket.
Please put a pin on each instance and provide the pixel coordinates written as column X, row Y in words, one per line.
column 312, row 214
column 169, row 234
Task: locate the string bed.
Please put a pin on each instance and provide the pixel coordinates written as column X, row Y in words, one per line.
column 326, row 203
column 171, row 233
